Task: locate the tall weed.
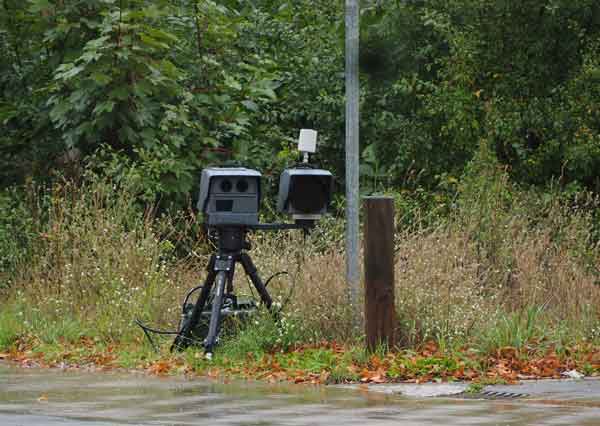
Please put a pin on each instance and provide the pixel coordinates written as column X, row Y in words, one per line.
column 100, row 261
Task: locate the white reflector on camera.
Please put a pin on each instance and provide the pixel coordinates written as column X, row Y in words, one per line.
column 307, row 141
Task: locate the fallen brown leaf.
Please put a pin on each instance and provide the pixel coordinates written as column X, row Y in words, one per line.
column 507, row 352
column 160, row 368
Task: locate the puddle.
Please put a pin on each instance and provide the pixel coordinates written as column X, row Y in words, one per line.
column 50, row 397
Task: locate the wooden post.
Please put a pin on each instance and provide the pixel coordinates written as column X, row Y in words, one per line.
column 380, row 312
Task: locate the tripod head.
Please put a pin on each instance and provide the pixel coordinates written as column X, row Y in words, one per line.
column 234, row 238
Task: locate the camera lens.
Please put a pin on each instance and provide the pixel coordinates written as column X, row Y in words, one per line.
column 309, row 194
column 242, row 185
column 226, row 185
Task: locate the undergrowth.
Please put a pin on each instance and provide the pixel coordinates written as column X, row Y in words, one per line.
column 503, row 267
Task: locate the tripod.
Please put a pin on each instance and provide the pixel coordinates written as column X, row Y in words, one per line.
column 232, row 244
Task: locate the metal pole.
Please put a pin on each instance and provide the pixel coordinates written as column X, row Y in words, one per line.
column 352, row 156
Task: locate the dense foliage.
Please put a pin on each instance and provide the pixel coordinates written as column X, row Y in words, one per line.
column 480, row 117
column 165, row 87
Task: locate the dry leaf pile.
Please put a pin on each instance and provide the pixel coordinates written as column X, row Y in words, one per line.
column 302, row 365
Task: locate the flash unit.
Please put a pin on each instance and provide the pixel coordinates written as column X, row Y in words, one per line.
column 304, row 192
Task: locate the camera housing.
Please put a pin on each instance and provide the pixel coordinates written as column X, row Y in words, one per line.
column 230, row 196
column 305, row 193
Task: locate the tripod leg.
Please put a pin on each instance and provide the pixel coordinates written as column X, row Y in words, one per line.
column 215, row 315
column 184, row 338
column 230, row 279
column 250, row 269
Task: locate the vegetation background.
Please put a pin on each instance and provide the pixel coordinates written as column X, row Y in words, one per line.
column 481, row 118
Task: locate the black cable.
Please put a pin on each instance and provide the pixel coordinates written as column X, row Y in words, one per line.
column 299, row 262
column 154, row 330
column 147, row 336
column 148, row 330
column 288, row 297
column 275, row 276
column 290, row 293
column 188, row 295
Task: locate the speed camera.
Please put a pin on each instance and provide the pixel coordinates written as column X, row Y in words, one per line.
column 230, row 196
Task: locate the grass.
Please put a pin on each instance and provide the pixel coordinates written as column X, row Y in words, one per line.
column 517, row 330
column 10, row 327
column 317, row 363
column 506, row 271
column 475, row 388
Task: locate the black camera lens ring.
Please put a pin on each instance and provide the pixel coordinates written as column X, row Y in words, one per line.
column 242, row 185
column 226, row 185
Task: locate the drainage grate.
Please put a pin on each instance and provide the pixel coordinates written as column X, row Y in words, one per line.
column 503, row 395
column 493, row 395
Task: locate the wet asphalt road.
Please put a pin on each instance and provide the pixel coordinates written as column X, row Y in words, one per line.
column 51, row 397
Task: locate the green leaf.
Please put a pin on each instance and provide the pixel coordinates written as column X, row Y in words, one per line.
column 101, row 79
column 153, row 42
column 119, row 93
column 251, row 105
column 232, row 83
column 157, row 33
column 70, row 72
column 39, row 6
column 102, row 107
